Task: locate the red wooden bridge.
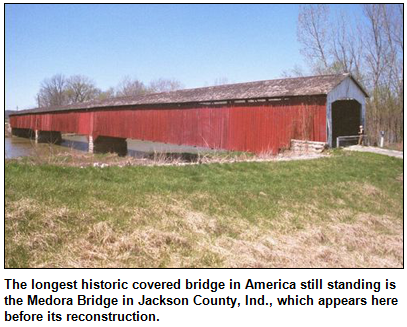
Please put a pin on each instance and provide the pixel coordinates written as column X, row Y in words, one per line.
column 256, row 117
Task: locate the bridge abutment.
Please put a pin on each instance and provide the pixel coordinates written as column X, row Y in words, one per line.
column 106, row 144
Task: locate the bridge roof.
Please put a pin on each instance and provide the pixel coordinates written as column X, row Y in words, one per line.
column 277, row 88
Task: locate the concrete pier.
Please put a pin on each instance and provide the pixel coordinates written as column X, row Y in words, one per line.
column 105, row 144
column 90, row 144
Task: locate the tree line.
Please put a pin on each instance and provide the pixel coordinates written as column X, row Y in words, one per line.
column 61, row 90
column 370, row 47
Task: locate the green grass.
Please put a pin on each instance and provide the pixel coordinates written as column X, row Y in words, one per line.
column 193, row 215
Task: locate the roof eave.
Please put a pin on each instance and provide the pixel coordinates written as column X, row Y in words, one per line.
column 32, row 111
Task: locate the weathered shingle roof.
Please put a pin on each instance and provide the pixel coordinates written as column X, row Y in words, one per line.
column 287, row 87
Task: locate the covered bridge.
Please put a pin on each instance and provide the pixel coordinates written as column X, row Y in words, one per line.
column 255, row 117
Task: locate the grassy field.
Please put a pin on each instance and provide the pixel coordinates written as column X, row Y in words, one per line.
column 345, row 210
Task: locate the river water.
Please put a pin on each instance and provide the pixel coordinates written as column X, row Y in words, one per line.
column 21, row 147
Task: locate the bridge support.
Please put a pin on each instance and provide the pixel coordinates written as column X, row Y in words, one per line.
column 106, row 144
column 48, row 137
column 90, row 144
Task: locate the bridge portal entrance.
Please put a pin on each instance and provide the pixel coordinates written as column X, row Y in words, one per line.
column 346, row 118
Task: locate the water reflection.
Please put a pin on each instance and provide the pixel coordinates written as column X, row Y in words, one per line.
column 22, row 147
column 76, row 142
column 19, row 147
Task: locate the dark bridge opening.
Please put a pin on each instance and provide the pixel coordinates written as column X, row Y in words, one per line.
column 346, row 118
column 106, row 144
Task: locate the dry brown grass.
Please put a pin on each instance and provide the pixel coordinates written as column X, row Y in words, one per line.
column 396, row 146
column 181, row 237
column 369, row 242
column 74, row 158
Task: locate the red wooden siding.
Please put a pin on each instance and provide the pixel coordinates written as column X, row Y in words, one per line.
column 260, row 127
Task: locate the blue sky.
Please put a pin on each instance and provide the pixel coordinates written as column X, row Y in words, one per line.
column 192, row 43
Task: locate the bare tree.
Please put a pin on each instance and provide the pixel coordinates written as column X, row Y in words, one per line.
column 330, row 44
column 393, row 27
column 375, row 43
column 297, row 71
column 221, row 81
column 130, row 87
column 108, row 94
column 312, row 33
column 80, row 89
column 164, row 85
column 384, row 68
column 52, row 91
